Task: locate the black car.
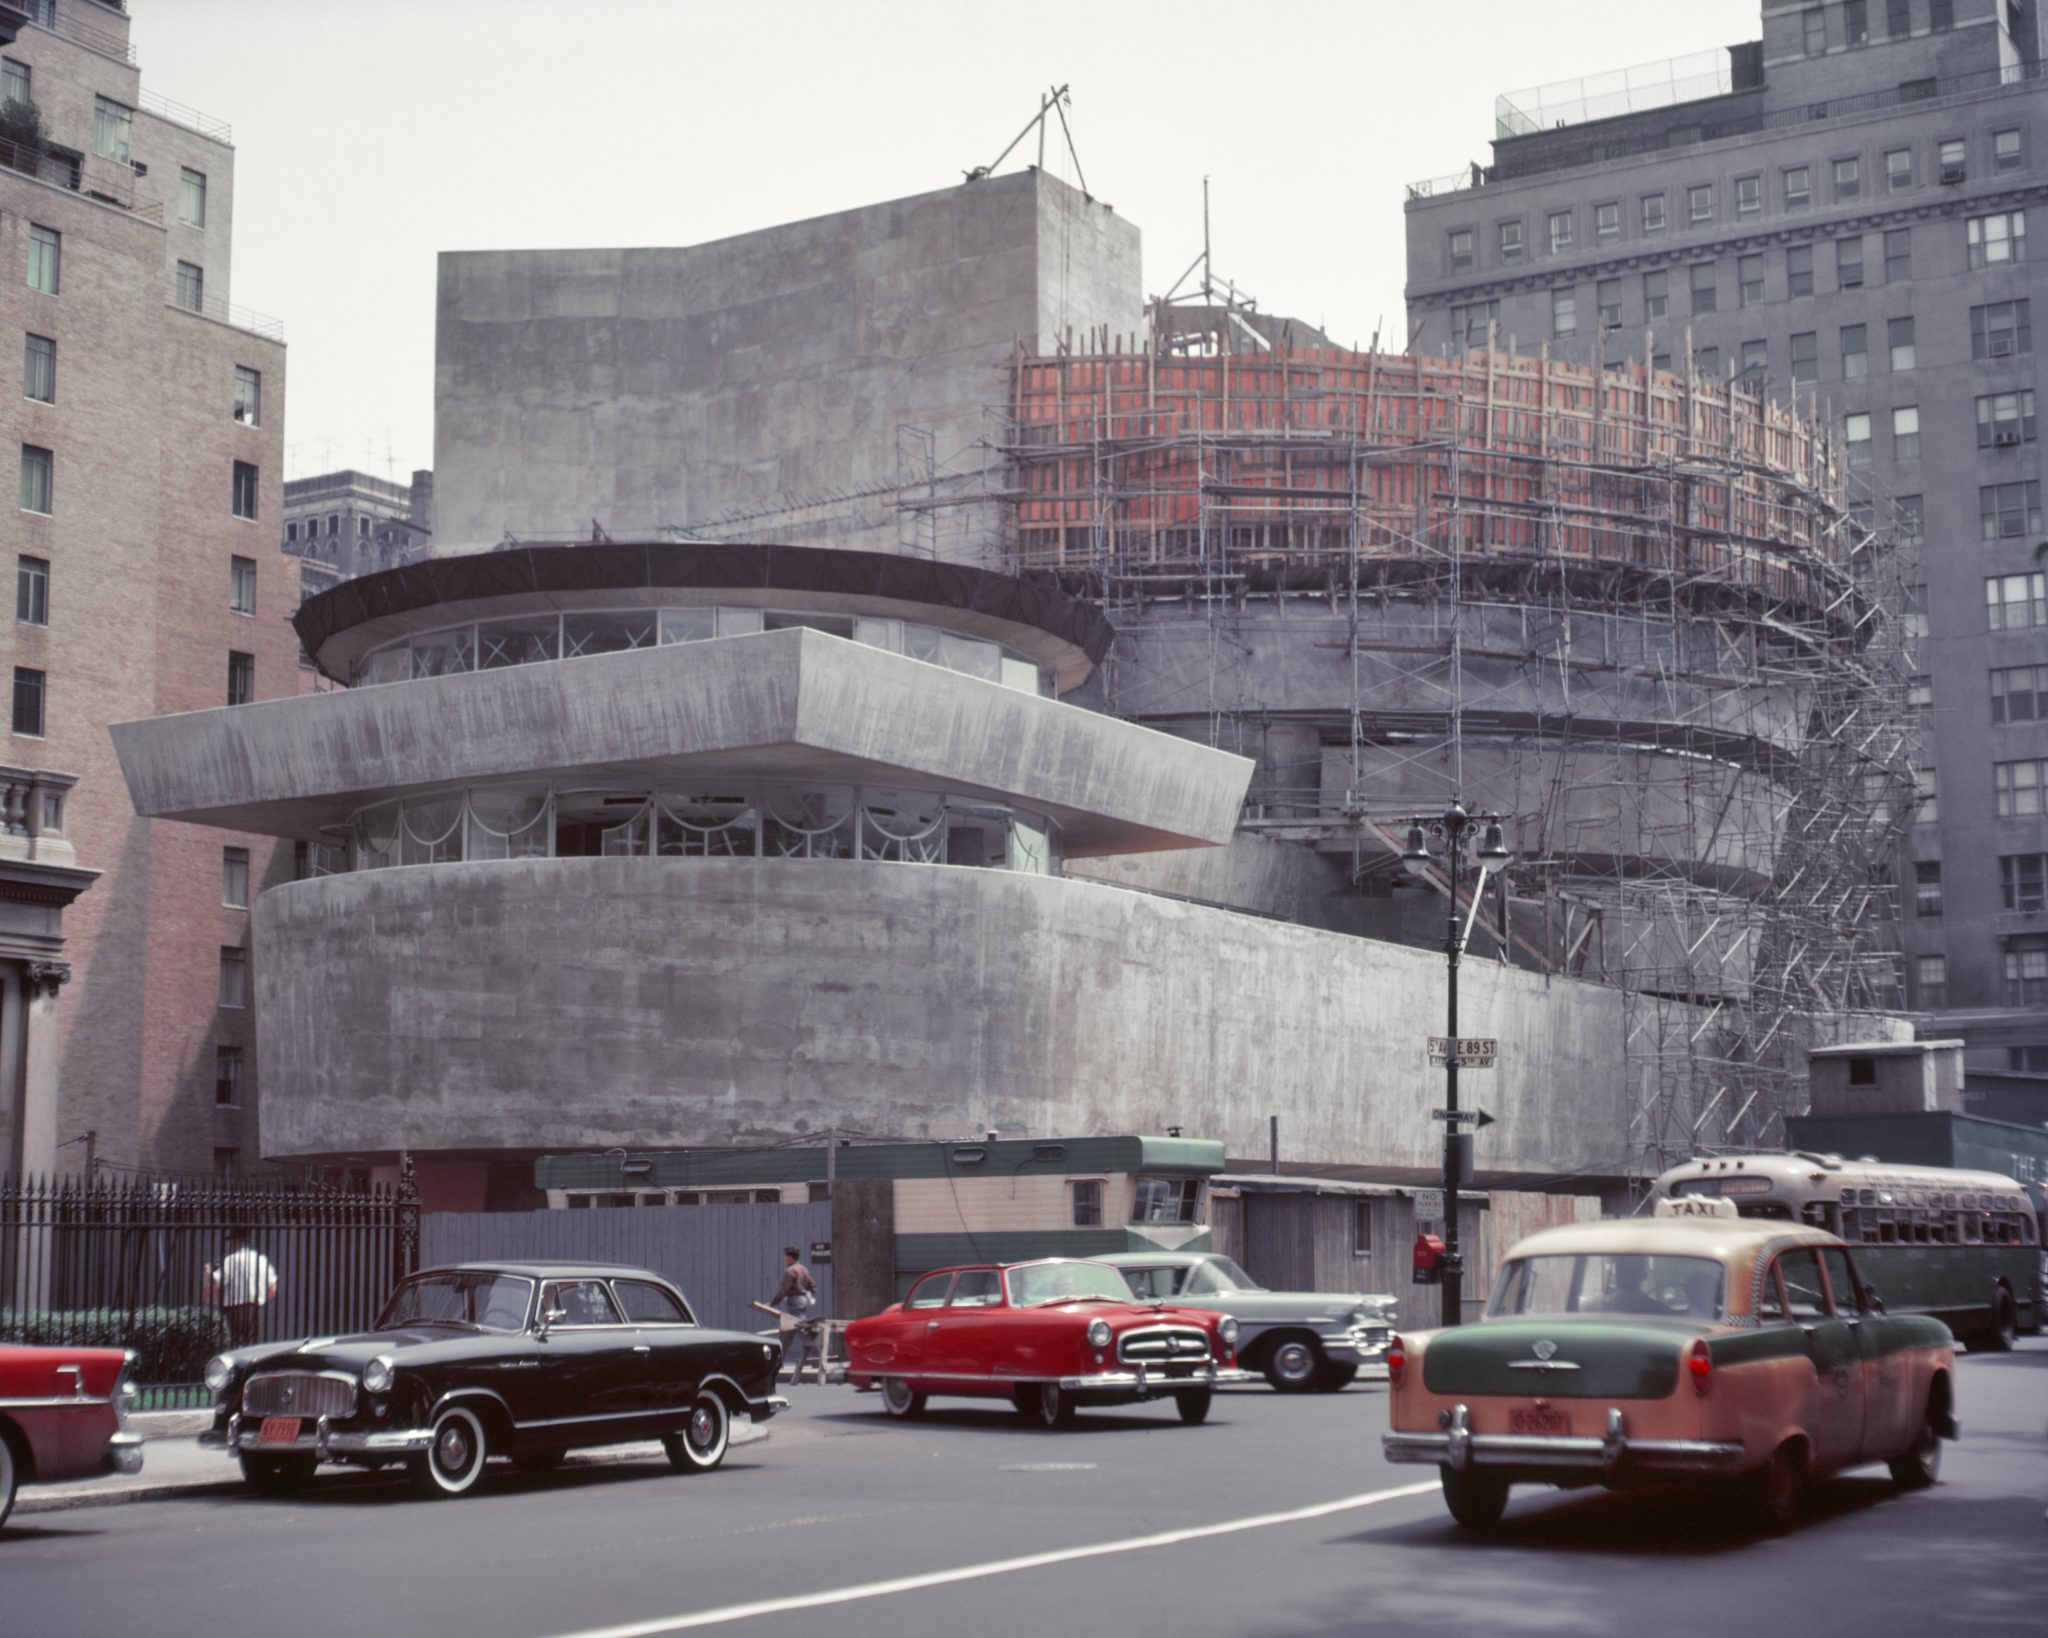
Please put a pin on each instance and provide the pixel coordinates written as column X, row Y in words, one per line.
column 519, row 1359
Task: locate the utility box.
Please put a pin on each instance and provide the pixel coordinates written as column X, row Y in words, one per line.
column 1886, row 1078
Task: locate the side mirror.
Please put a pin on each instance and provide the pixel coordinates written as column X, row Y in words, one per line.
column 1871, row 1296
column 551, row 1317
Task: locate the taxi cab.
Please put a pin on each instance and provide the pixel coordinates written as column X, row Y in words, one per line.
column 1692, row 1345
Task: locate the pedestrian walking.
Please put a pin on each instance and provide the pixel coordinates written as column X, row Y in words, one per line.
column 796, row 1296
column 242, row 1282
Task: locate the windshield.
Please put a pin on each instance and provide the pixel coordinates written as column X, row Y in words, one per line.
column 1066, row 1282
column 495, row 1302
column 1610, row 1283
column 1217, row 1275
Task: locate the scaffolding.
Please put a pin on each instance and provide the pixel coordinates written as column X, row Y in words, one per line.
column 1652, row 615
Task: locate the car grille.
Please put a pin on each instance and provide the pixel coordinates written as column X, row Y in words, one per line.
column 1162, row 1345
column 299, row 1393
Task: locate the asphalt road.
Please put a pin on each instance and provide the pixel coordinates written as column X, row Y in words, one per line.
column 1278, row 1517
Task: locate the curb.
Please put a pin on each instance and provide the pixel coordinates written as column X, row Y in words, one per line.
column 65, row 1498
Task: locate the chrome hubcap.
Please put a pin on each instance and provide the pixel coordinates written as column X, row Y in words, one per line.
column 454, row 1450
column 703, row 1429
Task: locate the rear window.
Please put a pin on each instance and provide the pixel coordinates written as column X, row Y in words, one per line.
column 1602, row 1282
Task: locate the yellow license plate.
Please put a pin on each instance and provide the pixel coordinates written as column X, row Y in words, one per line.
column 278, row 1430
column 1538, row 1419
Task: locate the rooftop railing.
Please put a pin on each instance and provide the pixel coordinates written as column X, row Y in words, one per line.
column 191, row 118
column 1620, row 91
column 71, row 22
column 242, row 318
column 87, row 174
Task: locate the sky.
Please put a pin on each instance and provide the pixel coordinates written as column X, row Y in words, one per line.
column 371, row 135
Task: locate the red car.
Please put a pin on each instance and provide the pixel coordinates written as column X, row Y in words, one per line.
column 1048, row 1336
column 64, row 1415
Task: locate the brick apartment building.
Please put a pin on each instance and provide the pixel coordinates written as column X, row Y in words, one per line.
column 148, row 575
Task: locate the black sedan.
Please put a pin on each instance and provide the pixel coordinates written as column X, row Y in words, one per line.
column 525, row 1360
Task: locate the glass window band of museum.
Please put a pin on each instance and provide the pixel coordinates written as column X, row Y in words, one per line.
column 706, row 818
column 530, row 639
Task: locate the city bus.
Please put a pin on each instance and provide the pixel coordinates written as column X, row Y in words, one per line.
column 1963, row 1246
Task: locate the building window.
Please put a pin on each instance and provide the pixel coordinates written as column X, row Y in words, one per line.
column 234, row 877
column 2022, row 880
column 1848, row 174
column 2000, row 329
column 227, row 1076
column 1898, row 255
column 1607, row 222
column 1933, row 976
column 1814, row 30
column 1952, row 158
column 1361, row 1228
column 1653, row 213
column 291, row 533
column 234, row 976
column 1907, row 513
column 39, row 370
column 1706, row 363
column 248, row 396
column 1941, row 16
column 1898, row 170
column 1855, row 432
column 32, row 591
column 14, row 81
column 1510, row 242
column 1656, row 296
column 1756, row 359
column 37, row 479
column 1927, row 887
column 1898, row 18
column 2001, row 237
column 2005, row 420
column 1087, row 1193
column 362, row 528
column 1749, row 196
column 1849, row 262
column 1913, row 617
column 1471, row 325
column 2007, row 511
column 191, row 197
column 2016, row 789
column 1564, row 312
column 1699, row 204
column 2026, row 974
column 1608, row 293
column 1906, row 433
column 1461, row 250
column 1704, row 292
column 1806, row 366
column 29, row 692
column 241, row 678
column 191, row 286
column 2014, row 602
column 2006, row 153
column 242, row 585
column 2019, row 693
column 1898, row 334
column 1855, row 352
column 245, row 489
column 1749, row 272
column 1560, row 226
column 334, row 518
column 1799, row 270
column 1798, row 181
column 45, row 251
column 1856, row 22
column 1927, row 797
column 113, row 123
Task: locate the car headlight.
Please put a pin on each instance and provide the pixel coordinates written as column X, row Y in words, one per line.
column 378, row 1373
column 1098, row 1334
column 1226, row 1328
column 219, row 1372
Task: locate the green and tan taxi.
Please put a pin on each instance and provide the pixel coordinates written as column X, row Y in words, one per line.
column 1689, row 1345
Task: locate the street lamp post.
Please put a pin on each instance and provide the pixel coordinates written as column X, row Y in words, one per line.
column 1450, row 832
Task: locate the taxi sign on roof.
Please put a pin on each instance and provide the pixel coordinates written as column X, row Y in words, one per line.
column 1696, row 1205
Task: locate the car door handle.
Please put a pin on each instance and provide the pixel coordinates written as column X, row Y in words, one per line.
column 642, row 1348
column 931, row 1325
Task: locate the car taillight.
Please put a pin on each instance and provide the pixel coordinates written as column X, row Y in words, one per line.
column 1397, row 1361
column 1699, row 1360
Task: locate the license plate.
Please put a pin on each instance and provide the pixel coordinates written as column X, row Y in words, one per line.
column 278, row 1430
column 1538, row 1419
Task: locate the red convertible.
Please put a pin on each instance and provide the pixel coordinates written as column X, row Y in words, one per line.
column 64, row 1415
column 1047, row 1336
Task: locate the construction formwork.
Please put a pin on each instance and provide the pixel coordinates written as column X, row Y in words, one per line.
column 1652, row 616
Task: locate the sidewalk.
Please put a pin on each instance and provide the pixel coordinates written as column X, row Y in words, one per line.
column 174, row 1463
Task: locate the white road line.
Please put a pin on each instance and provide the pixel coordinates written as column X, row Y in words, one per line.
column 1000, row 1566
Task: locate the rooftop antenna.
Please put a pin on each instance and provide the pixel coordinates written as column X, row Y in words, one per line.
column 1053, row 102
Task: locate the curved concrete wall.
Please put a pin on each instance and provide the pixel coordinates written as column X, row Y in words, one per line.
column 577, row 1003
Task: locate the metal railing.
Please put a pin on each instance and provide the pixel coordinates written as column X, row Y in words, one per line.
column 223, row 312
column 179, row 113
column 1612, row 93
column 68, row 20
column 135, row 1262
column 86, row 174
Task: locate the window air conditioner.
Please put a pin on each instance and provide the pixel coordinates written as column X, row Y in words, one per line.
column 2006, row 437
column 2001, row 346
column 1952, row 174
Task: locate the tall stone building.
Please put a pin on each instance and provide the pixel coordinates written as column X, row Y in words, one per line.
column 343, row 524
column 1837, row 213
column 148, row 578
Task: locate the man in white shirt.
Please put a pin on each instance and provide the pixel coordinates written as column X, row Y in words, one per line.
column 245, row 1280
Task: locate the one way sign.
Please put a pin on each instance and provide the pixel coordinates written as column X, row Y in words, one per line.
column 1475, row 1118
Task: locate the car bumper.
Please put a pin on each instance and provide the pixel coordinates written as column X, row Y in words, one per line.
column 1143, row 1383
column 324, row 1441
column 124, row 1454
column 1356, row 1348
column 1459, row 1448
column 760, row 1410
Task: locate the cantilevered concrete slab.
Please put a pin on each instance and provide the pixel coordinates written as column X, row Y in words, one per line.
column 792, row 704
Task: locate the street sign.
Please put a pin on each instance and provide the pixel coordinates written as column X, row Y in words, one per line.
column 1429, row 1205
column 1473, row 1051
column 1475, row 1117
column 821, row 1251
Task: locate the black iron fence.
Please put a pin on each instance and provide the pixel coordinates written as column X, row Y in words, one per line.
column 179, row 1270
